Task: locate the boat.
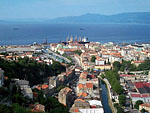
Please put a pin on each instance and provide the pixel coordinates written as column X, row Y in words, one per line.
column 81, row 29
column 15, row 28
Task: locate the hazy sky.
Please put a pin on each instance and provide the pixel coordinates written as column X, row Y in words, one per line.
column 59, row 8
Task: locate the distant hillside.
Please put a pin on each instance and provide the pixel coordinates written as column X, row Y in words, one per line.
column 138, row 17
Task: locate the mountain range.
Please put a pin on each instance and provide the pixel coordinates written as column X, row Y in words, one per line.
column 138, row 17
column 131, row 17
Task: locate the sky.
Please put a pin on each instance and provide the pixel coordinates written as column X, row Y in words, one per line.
column 12, row 9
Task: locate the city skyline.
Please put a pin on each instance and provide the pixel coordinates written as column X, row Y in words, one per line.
column 20, row 9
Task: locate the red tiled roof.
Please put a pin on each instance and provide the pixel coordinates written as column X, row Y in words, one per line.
column 138, row 61
column 44, row 86
column 89, row 85
column 135, row 95
column 141, row 84
column 125, row 75
column 76, row 110
column 80, row 86
column 84, row 94
column 80, row 100
column 145, row 105
column 140, row 95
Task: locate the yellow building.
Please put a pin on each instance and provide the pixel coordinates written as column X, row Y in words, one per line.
column 103, row 67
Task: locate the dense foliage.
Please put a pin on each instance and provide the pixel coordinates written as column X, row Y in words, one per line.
column 51, row 104
column 93, row 58
column 144, row 66
column 113, row 79
column 144, row 111
column 137, row 103
column 78, row 52
column 30, row 70
column 126, row 65
column 119, row 108
column 20, row 104
column 122, row 99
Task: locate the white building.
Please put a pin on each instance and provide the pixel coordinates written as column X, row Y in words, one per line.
column 93, row 110
column 100, row 62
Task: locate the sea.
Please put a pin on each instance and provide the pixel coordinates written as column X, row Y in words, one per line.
column 28, row 33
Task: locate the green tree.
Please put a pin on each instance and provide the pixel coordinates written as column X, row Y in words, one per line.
column 145, row 65
column 30, row 70
column 103, row 76
column 143, row 110
column 78, row 52
column 5, row 109
column 116, row 65
column 117, row 88
column 122, row 99
column 137, row 103
column 93, row 58
column 113, row 79
column 120, row 110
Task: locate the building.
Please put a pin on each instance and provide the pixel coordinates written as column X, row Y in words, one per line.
column 38, row 108
column 1, row 77
column 93, row 110
column 144, row 106
column 65, row 96
column 80, row 104
column 142, row 92
column 25, row 88
column 27, row 92
column 137, row 63
column 87, row 87
column 23, row 84
column 54, row 82
column 142, row 87
column 99, row 61
column 103, row 67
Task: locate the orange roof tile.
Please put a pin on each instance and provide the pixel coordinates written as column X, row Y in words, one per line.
column 80, row 85
column 76, row 110
column 80, row 100
column 44, row 86
column 145, row 105
column 89, row 85
column 84, row 94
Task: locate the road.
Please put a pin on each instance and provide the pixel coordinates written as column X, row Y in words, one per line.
column 55, row 56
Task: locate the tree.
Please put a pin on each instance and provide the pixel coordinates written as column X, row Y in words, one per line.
column 120, row 110
column 116, row 65
column 93, row 58
column 103, row 76
column 143, row 110
column 117, row 88
column 145, row 65
column 122, row 99
column 137, row 103
column 30, row 70
column 53, row 106
column 113, row 79
column 78, row 52
column 5, row 109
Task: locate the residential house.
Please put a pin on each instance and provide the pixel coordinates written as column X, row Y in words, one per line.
column 65, row 96
column 144, row 106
